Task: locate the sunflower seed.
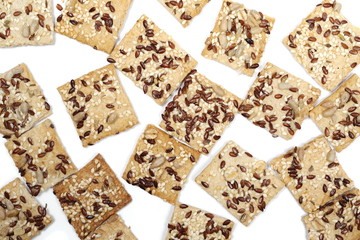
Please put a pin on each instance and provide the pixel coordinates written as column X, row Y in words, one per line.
column 218, row 90
column 39, row 176
column 344, row 98
column 79, row 116
column 236, row 6
column 157, row 162
column 223, row 41
column 331, row 155
column 2, row 213
column 26, row 31
column 329, row 112
column 12, row 213
column 9, row 204
column 223, row 25
column 34, row 26
column 327, row 104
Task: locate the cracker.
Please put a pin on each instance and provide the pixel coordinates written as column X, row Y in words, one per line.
column 338, row 116
column 200, row 112
column 184, row 10
column 326, row 44
column 313, row 174
column 152, row 60
column 21, row 216
column 91, row 195
column 22, row 101
column 279, row 101
column 192, row 223
column 113, row 229
column 40, row 157
column 239, row 37
column 26, row 22
column 338, row 219
column 95, row 23
column 160, row 164
column 241, row 183
column 98, row 105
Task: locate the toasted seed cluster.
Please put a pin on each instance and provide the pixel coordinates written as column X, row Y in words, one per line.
column 192, row 223
column 113, row 229
column 90, row 196
column 313, row 174
column 160, row 164
column 239, row 37
column 21, row 217
column 326, row 44
column 239, row 182
column 40, row 157
column 98, row 105
column 338, row 219
column 279, row 101
column 25, row 22
column 95, row 23
column 22, row 103
column 200, row 112
column 184, row 10
column 152, row 59
column 338, row 116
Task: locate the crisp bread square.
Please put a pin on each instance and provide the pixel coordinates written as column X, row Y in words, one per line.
column 95, row 23
column 26, row 22
column 21, row 216
column 313, row 174
column 91, row 196
column 239, row 37
column 241, row 183
column 338, row 116
column 326, row 44
column 200, row 112
column 22, row 101
column 152, row 60
column 190, row 222
column 338, row 219
column 160, row 164
column 40, row 157
column 98, row 105
column 184, row 10
column 279, row 102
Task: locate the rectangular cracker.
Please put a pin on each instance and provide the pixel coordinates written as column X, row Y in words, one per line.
column 152, row 60
column 241, row 183
column 200, row 112
column 313, row 174
column 338, row 219
column 22, row 101
column 40, row 157
column 98, row 105
column 95, row 23
column 91, row 196
column 184, row 10
column 279, row 101
column 113, row 228
column 160, row 164
column 21, row 216
column 26, row 22
column 326, row 44
column 189, row 222
column 239, row 37
column 338, row 116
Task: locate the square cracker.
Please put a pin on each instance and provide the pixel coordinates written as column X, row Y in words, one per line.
column 40, row 157
column 240, row 183
column 200, row 112
column 279, row 101
column 189, row 222
column 98, row 105
column 239, row 37
column 160, row 164
column 184, row 10
column 20, row 213
column 95, row 23
column 113, row 228
column 152, row 60
column 313, row 174
column 326, row 44
column 91, row 196
column 26, row 22
column 22, row 101
column 338, row 219
column 338, row 116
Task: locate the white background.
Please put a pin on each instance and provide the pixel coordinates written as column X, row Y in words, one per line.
column 54, row 65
